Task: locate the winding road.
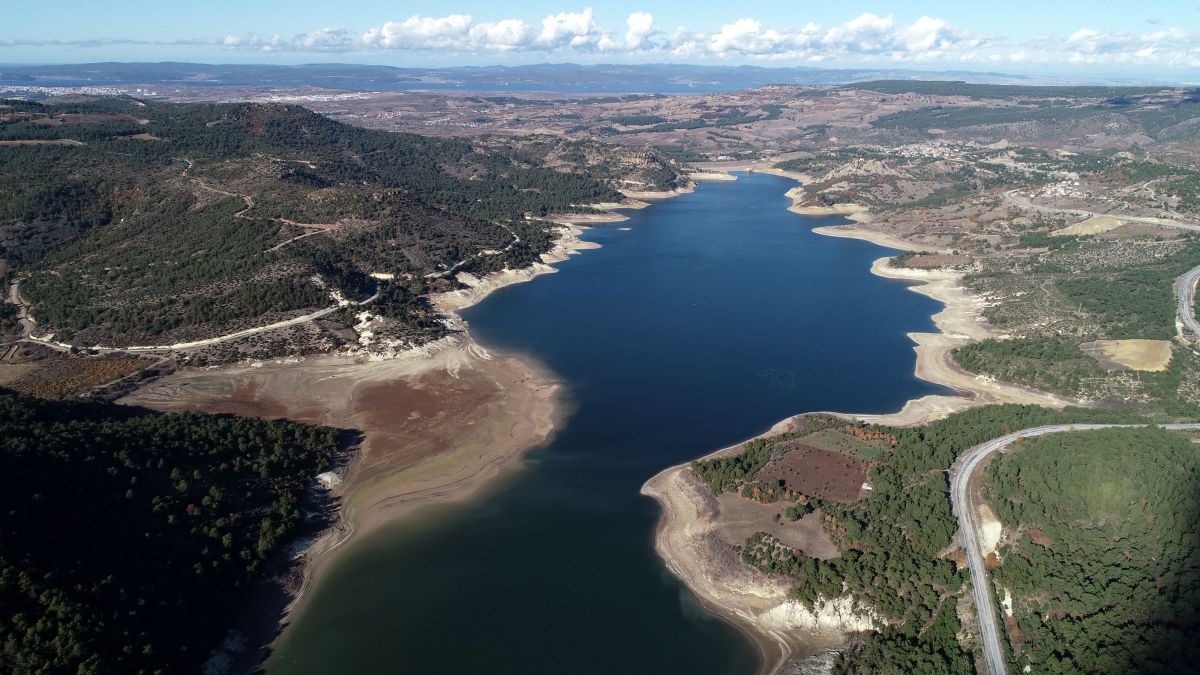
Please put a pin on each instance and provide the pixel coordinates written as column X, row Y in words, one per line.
column 965, row 468
column 237, row 335
column 516, row 239
column 1185, row 290
column 14, row 297
column 1185, row 286
column 1021, row 201
column 961, row 475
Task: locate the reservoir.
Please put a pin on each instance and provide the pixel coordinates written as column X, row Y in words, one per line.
column 701, row 321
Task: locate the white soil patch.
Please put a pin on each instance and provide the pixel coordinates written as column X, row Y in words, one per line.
column 1093, row 225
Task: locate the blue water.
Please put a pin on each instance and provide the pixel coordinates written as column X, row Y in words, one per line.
column 715, row 315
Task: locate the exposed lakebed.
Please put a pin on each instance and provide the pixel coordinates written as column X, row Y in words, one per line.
column 711, row 317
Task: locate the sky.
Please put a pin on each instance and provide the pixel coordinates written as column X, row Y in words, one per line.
column 1068, row 37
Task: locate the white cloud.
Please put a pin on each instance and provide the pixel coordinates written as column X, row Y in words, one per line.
column 420, row 32
column 501, row 35
column 746, row 37
column 1082, row 35
column 324, row 39
column 864, row 34
column 864, row 39
column 573, row 29
column 640, row 28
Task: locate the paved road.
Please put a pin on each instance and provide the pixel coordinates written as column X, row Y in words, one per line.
column 968, row 524
column 1186, row 292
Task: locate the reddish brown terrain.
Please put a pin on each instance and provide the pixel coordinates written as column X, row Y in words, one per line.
column 817, row 473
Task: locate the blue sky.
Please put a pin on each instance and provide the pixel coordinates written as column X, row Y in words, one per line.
column 1112, row 37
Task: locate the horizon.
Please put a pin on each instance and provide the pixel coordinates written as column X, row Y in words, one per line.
column 849, row 75
column 1161, row 41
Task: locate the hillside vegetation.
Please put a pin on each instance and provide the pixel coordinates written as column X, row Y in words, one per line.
column 1102, row 561
column 895, row 543
column 127, row 538
column 149, row 223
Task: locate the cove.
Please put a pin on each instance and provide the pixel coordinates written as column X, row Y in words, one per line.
column 714, row 315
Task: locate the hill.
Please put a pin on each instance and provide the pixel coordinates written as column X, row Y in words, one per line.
column 1100, row 573
column 127, row 538
column 150, row 223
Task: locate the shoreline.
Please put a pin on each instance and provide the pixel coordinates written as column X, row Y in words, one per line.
column 743, row 596
column 472, row 416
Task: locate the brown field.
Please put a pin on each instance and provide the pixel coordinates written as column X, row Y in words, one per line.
column 435, row 429
column 738, row 519
column 816, row 472
column 59, row 377
column 1145, row 355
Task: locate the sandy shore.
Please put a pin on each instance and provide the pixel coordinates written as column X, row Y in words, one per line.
column 567, row 243
column 785, row 631
column 656, row 195
column 712, row 175
column 438, row 422
column 754, row 166
column 959, row 323
column 881, row 238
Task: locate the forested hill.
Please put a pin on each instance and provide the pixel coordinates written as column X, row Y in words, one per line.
column 1102, row 567
column 142, row 222
column 128, row 538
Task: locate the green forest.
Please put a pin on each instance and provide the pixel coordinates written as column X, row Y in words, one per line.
column 127, row 538
column 892, row 540
column 161, row 223
column 1050, row 364
column 1104, row 565
column 1133, row 299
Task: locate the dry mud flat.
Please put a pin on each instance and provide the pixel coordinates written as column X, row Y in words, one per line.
column 436, row 424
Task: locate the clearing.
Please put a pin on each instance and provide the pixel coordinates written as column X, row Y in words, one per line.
column 1144, row 355
column 1093, row 225
column 815, row 472
column 738, row 519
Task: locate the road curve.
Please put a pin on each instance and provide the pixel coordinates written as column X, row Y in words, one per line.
column 1186, row 285
column 14, row 297
column 1186, row 292
column 968, row 524
column 1020, row 200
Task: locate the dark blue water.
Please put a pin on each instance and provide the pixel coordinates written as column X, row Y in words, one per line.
column 717, row 314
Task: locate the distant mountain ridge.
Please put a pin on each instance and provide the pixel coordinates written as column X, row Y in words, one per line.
column 664, row 78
